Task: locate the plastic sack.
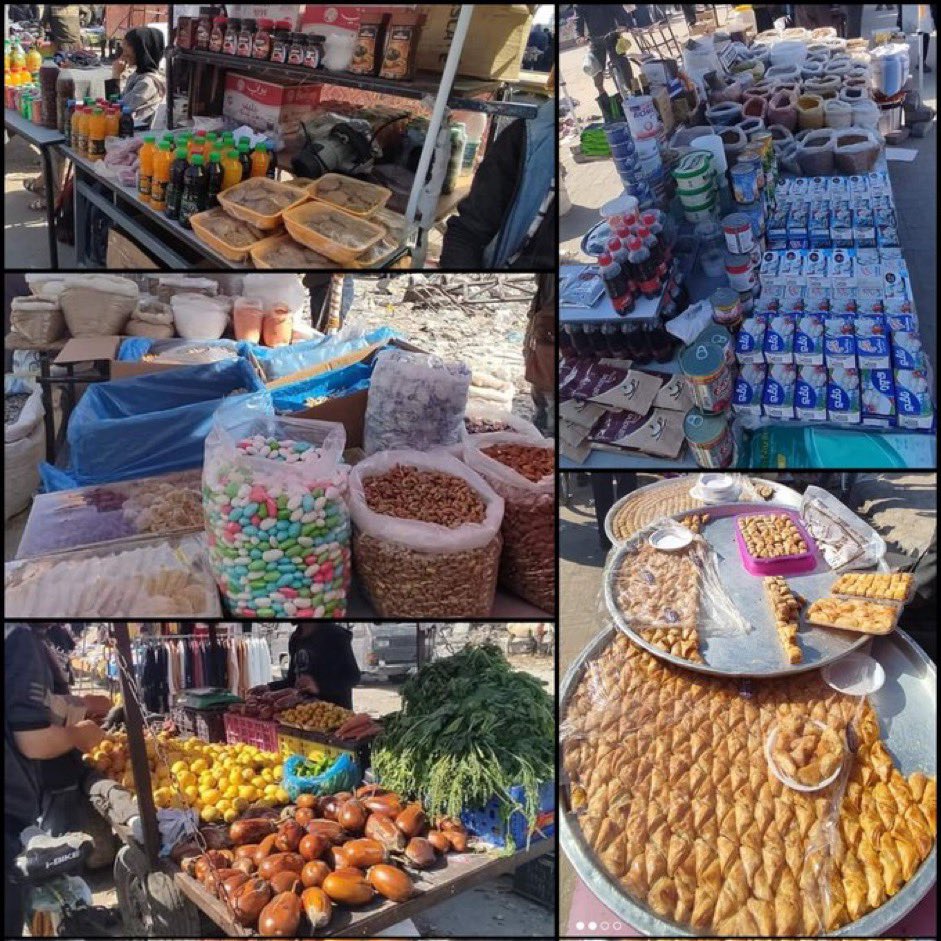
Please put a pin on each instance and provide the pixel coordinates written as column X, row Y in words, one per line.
column 838, row 113
column 336, row 384
column 527, row 564
column 342, row 775
column 21, row 459
column 148, row 425
column 410, row 568
column 274, row 289
column 809, row 112
column 200, row 318
column 286, row 360
column 846, row 541
column 815, row 152
column 590, row 64
column 168, row 578
column 782, row 110
column 866, row 113
column 98, row 305
column 32, row 412
column 855, row 150
column 483, row 418
column 143, row 328
column 277, row 525
column 416, row 401
column 37, row 319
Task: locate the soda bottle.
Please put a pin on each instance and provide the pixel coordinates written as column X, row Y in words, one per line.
column 17, row 56
column 33, row 62
column 612, row 339
column 194, row 190
column 163, row 158
column 67, row 126
column 175, row 185
column 645, row 271
column 245, row 157
column 566, row 344
column 97, row 128
column 126, row 123
column 260, row 160
column 598, row 344
column 653, row 220
column 581, row 340
column 228, row 140
column 198, row 144
column 214, row 177
column 113, row 124
column 635, row 343
column 231, row 169
column 615, row 281
column 145, row 175
column 653, row 249
column 272, row 164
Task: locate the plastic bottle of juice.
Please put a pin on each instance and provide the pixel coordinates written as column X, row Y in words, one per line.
column 33, row 62
column 17, row 56
column 260, row 160
column 175, row 186
column 228, row 140
column 214, row 175
column 126, row 123
column 272, row 163
column 163, row 158
column 199, row 144
column 194, row 190
column 114, row 123
column 6, row 55
column 145, row 177
column 245, row 157
column 67, row 125
column 97, row 130
column 231, row 169
column 170, row 139
column 80, row 132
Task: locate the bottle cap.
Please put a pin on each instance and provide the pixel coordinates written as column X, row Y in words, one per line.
column 215, row 156
column 262, row 147
column 164, row 145
column 233, row 155
column 197, row 160
column 605, row 259
column 180, row 153
column 149, row 138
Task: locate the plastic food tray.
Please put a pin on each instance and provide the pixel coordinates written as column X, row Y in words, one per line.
column 894, row 606
column 379, row 195
column 261, row 250
column 203, row 233
column 249, row 215
column 302, row 220
column 899, row 601
column 65, row 521
column 782, row 565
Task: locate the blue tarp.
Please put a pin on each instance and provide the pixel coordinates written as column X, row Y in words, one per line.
column 284, row 360
column 332, row 385
column 148, row 425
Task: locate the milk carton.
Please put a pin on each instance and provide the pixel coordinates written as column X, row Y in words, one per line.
column 839, row 342
column 841, row 224
column 810, row 393
column 808, row 340
column 749, row 389
column 901, row 323
column 864, row 229
column 778, row 397
column 819, row 224
column 877, row 396
column 907, row 352
column 843, row 405
column 872, row 343
column 896, row 292
column 816, row 269
column 749, row 342
column 913, row 398
column 779, row 339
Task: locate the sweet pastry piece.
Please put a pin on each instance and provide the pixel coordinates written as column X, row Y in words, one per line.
column 644, row 507
column 887, row 586
column 853, row 614
column 765, row 491
column 806, row 752
column 695, row 521
column 681, row 810
column 785, row 609
column 657, row 593
column 771, row 537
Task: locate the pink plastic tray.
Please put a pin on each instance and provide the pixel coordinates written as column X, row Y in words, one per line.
column 785, row 564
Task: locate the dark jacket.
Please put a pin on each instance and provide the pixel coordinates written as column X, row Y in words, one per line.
column 326, row 656
column 596, row 20
column 64, row 24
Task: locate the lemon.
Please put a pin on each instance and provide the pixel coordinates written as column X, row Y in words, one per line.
column 187, row 779
column 259, row 782
column 179, row 768
column 210, row 814
column 267, row 775
column 278, row 772
column 247, row 774
column 248, row 792
column 223, row 805
column 191, row 792
column 271, row 790
column 199, row 765
column 211, row 796
column 231, row 792
column 283, row 796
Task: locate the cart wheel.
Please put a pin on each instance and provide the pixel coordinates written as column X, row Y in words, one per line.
column 174, row 915
column 130, row 882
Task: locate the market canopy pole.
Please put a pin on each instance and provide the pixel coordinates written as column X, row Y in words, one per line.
column 134, row 722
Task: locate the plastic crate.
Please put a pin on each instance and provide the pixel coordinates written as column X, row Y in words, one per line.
column 249, row 731
column 207, row 724
column 293, row 741
column 536, row 881
column 488, row 825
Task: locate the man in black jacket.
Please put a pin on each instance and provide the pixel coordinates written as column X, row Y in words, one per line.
column 600, row 23
column 321, row 663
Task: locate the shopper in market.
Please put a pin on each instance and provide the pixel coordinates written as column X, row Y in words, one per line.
column 146, row 87
column 507, row 220
column 36, row 734
column 539, row 352
column 64, row 24
column 321, row 663
column 601, row 23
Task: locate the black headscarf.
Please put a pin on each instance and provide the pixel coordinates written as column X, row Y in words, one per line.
column 148, row 46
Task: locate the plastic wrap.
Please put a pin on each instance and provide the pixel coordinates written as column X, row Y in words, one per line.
column 527, row 564
column 200, row 318
column 416, row 401
column 286, row 360
column 667, row 783
column 276, row 521
column 336, row 384
column 162, row 578
column 414, row 568
column 845, row 541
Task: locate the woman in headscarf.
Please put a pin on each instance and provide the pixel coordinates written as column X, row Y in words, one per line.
column 146, row 86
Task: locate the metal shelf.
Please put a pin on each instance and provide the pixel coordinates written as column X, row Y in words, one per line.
column 424, row 85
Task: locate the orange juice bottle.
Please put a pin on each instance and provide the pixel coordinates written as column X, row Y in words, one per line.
column 97, row 130
column 198, row 144
column 231, row 169
column 163, row 158
column 260, row 160
column 146, row 168
column 80, row 130
column 113, row 122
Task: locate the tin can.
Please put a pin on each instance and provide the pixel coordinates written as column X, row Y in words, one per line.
column 37, row 111
column 746, row 303
column 745, row 180
column 755, row 211
column 739, row 237
column 726, row 309
column 721, row 338
column 707, row 375
column 741, row 274
column 709, row 438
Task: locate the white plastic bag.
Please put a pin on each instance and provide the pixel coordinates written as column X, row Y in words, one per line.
column 32, row 413
column 412, row 568
column 279, row 289
column 483, row 418
column 21, row 470
column 198, row 317
column 846, row 541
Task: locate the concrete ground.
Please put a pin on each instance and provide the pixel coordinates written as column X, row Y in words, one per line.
column 901, row 507
column 914, row 186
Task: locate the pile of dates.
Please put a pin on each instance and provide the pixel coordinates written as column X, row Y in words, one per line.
column 282, row 875
column 267, row 704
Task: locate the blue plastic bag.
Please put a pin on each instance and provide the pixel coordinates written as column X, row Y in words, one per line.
column 285, row 360
column 150, row 424
column 342, row 775
column 331, row 385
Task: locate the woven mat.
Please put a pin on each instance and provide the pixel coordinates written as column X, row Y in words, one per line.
column 644, row 507
column 668, row 771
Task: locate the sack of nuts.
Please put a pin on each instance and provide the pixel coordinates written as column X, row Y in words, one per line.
column 426, row 535
column 522, row 471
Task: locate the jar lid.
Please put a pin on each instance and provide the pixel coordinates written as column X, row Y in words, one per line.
column 701, row 359
column 736, row 221
column 738, row 263
column 700, row 428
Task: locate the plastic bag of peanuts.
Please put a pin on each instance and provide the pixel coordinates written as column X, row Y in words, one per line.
column 522, row 471
column 426, row 535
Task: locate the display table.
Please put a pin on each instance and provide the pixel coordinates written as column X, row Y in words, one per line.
column 45, row 139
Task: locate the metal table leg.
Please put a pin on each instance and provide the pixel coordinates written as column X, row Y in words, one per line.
column 49, row 419
column 50, row 207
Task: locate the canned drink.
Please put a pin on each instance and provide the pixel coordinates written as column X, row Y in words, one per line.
column 37, row 111
column 741, row 274
column 739, row 237
column 709, row 438
column 726, row 308
column 707, row 376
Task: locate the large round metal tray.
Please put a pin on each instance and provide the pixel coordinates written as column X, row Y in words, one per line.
column 783, row 496
column 758, row 653
column 907, row 710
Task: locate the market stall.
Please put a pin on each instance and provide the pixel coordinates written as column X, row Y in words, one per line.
column 273, row 859
column 779, row 728
column 750, row 304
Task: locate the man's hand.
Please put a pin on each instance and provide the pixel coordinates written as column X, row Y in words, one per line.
column 306, row 684
column 86, row 735
column 118, row 67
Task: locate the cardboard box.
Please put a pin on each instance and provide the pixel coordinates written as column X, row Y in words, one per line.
column 273, row 11
column 269, row 107
column 124, row 255
column 495, row 43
